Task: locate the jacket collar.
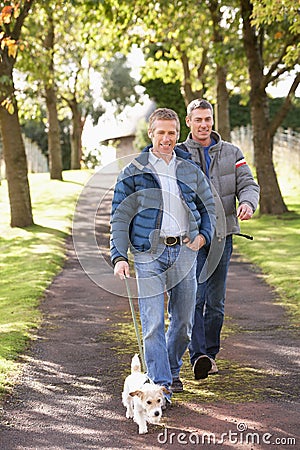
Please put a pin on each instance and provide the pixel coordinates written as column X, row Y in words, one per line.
column 144, row 156
column 193, row 144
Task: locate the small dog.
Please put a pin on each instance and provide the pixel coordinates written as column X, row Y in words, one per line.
column 143, row 399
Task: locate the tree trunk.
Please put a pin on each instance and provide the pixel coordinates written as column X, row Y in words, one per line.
column 16, row 169
column 188, row 93
column 76, row 136
column 13, row 145
column 54, row 146
column 222, row 110
column 271, row 201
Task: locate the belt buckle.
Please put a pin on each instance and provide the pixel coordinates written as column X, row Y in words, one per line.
column 170, row 240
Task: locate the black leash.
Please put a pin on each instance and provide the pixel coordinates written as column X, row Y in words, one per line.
column 247, row 236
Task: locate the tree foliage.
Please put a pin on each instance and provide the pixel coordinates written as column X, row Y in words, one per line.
column 82, row 54
column 210, row 48
column 168, row 94
column 119, row 86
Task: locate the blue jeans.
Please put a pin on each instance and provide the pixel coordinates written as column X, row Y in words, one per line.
column 209, row 311
column 172, row 269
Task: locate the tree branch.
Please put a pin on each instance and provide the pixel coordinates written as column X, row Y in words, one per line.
column 281, row 72
column 277, row 120
column 269, row 75
column 20, row 20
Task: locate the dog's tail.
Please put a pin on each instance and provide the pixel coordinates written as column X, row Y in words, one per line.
column 135, row 364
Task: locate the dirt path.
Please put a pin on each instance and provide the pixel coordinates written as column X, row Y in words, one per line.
column 69, row 394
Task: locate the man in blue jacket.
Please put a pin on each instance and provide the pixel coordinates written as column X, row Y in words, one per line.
column 163, row 211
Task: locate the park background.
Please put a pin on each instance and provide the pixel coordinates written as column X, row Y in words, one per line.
column 78, row 81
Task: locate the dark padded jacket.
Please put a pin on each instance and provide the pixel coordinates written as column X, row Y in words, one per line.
column 137, row 205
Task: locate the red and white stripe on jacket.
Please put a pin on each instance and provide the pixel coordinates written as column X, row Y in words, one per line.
column 240, row 162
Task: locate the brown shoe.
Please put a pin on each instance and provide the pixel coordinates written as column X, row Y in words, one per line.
column 176, row 385
column 201, row 367
column 214, row 368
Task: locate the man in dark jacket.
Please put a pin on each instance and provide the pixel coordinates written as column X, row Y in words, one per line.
column 231, row 180
column 163, row 211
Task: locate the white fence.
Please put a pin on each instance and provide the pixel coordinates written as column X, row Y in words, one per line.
column 286, row 148
column 286, row 152
column 36, row 161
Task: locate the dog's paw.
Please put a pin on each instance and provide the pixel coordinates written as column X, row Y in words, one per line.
column 143, row 430
column 129, row 415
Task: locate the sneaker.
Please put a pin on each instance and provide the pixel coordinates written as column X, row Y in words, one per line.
column 214, row 368
column 201, row 367
column 176, row 385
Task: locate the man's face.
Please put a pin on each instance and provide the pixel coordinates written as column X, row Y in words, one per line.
column 200, row 122
column 163, row 136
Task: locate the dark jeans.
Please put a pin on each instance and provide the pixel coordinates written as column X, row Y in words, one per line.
column 209, row 312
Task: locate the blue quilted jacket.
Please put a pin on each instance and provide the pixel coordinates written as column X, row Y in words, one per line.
column 137, row 205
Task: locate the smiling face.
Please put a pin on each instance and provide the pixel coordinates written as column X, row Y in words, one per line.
column 163, row 134
column 200, row 121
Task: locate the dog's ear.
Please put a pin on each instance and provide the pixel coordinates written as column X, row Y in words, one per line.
column 137, row 393
column 165, row 390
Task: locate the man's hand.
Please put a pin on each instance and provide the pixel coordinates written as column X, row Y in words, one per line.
column 244, row 212
column 122, row 269
column 197, row 243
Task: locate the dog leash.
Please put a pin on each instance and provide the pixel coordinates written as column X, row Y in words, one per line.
column 247, row 236
column 135, row 325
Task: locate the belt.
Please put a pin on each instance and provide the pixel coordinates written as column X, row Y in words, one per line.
column 172, row 240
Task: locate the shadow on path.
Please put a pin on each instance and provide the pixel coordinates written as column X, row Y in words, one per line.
column 69, row 396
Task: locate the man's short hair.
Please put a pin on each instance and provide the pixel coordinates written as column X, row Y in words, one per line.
column 163, row 114
column 199, row 103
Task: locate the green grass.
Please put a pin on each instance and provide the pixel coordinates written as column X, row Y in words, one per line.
column 276, row 249
column 30, row 258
